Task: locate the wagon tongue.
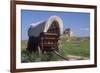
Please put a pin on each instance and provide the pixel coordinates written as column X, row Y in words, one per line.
column 58, row 54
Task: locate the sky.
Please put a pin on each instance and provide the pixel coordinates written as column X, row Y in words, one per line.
column 78, row 22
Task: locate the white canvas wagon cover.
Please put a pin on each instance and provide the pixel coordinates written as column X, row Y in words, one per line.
column 43, row 26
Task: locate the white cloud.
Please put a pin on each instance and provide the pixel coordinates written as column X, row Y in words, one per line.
column 84, row 29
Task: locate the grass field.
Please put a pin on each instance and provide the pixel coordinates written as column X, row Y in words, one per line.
column 78, row 46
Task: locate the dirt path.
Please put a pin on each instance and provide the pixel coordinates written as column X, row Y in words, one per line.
column 74, row 57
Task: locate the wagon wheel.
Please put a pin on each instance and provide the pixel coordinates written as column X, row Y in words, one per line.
column 39, row 53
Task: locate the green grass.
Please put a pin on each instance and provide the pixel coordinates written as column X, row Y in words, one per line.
column 24, row 44
column 79, row 46
column 34, row 57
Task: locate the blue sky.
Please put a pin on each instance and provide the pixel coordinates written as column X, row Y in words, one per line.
column 78, row 22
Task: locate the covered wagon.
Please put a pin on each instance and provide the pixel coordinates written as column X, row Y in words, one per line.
column 44, row 35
